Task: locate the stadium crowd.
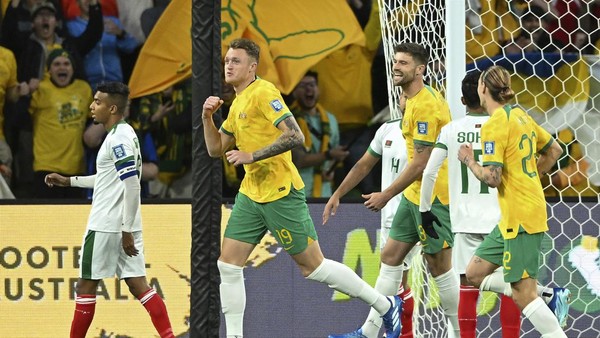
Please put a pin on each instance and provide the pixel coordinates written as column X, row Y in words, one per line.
column 54, row 53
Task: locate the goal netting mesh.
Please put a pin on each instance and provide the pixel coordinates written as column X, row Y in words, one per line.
column 553, row 52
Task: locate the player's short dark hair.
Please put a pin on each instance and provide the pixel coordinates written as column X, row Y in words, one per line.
column 251, row 48
column 118, row 92
column 469, row 89
column 418, row 52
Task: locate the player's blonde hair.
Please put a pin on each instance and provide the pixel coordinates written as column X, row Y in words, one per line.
column 497, row 81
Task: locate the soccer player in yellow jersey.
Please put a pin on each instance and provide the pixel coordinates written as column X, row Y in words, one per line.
column 271, row 196
column 511, row 140
column 425, row 114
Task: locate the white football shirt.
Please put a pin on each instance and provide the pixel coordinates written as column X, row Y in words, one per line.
column 389, row 145
column 118, row 158
column 474, row 205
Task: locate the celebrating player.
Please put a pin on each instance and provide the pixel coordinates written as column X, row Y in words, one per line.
column 425, row 114
column 389, row 146
column 271, row 196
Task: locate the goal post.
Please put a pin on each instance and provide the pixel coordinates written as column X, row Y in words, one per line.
column 559, row 86
column 455, row 55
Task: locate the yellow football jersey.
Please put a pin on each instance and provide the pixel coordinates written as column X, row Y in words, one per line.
column 511, row 139
column 424, row 116
column 252, row 121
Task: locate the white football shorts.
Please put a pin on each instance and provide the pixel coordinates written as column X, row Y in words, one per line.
column 463, row 250
column 102, row 256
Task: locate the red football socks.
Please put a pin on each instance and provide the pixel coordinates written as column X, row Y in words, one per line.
column 158, row 313
column 467, row 311
column 407, row 313
column 510, row 318
column 85, row 306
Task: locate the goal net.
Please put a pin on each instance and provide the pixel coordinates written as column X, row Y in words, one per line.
column 553, row 52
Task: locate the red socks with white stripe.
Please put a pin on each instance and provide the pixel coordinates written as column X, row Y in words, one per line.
column 158, row 313
column 85, row 306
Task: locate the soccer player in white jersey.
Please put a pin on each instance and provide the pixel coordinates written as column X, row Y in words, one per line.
column 112, row 244
column 474, row 209
column 389, row 146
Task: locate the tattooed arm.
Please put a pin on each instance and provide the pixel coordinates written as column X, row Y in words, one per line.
column 413, row 170
column 290, row 138
column 490, row 174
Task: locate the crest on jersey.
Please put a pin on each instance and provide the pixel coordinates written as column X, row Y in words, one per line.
column 388, row 143
column 276, row 105
column 422, row 128
column 119, row 151
column 489, row 147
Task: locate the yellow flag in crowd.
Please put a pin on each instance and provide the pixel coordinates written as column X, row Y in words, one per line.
column 166, row 57
column 293, row 36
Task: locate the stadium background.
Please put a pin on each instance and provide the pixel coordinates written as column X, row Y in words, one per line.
column 569, row 221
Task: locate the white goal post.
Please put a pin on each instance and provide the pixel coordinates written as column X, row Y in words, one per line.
column 560, row 88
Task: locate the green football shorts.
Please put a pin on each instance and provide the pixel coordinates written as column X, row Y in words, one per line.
column 519, row 256
column 287, row 219
column 406, row 226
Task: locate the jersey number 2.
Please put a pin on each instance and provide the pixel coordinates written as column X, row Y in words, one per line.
column 527, row 141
